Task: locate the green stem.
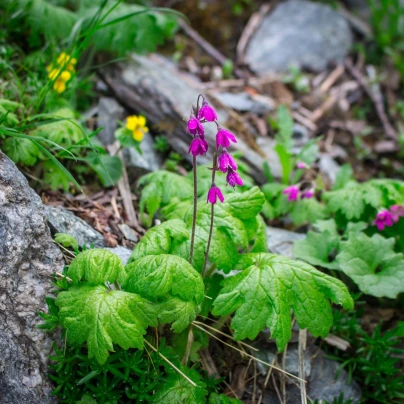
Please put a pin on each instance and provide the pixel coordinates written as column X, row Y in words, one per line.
column 191, row 254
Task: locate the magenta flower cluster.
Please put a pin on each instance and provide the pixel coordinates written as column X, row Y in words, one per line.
column 387, row 217
column 199, row 146
column 294, row 193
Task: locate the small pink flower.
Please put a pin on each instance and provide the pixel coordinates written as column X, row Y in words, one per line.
column 214, row 192
column 226, row 160
column 301, row 165
column 307, row 194
column 198, row 147
column 207, row 112
column 195, row 127
column 292, row 192
column 384, row 218
column 223, row 137
column 233, row 178
column 397, row 211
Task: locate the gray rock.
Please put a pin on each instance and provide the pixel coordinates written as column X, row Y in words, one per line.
column 155, row 87
column 292, row 360
column 122, row 252
column 329, row 167
column 61, row 220
column 320, row 373
column 325, row 385
column 244, row 102
column 300, row 33
column 281, row 241
column 109, row 111
column 149, row 160
column 28, row 257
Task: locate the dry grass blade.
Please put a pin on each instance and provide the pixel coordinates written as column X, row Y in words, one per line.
column 248, row 355
column 302, row 348
column 226, row 335
column 171, row 364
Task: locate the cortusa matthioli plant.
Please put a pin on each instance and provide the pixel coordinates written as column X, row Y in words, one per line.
column 175, row 276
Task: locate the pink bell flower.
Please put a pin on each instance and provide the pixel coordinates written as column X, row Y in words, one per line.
column 397, row 211
column 223, row 138
column 214, row 193
column 207, row 112
column 195, row 127
column 292, row 192
column 233, row 178
column 225, row 161
column 307, row 194
column 198, row 147
column 384, row 218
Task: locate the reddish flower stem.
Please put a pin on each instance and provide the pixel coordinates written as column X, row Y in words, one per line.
column 191, row 253
column 212, row 214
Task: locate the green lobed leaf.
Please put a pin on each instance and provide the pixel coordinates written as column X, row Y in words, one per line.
column 103, row 318
column 178, row 390
column 108, row 168
column 96, row 266
column 160, row 188
column 171, row 281
column 65, row 131
column 160, row 239
column 268, row 287
column 318, row 249
column 66, row 240
column 354, row 198
column 306, row 211
column 232, row 225
column 21, row 150
column 372, row 264
column 215, row 398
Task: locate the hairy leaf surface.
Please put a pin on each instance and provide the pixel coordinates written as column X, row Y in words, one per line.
column 372, row 264
column 171, row 281
column 103, row 318
column 268, row 286
column 96, row 266
column 160, row 239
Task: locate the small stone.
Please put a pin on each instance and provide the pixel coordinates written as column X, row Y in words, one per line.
column 150, row 160
column 329, row 167
column 109, row 112
column 281, row 241
column 122, row 252
column 299, row 33
column 61, row 220
column 244, row 102
column 128, row 232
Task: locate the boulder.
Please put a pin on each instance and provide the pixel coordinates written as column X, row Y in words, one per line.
column 28, row 257
column 299, row 33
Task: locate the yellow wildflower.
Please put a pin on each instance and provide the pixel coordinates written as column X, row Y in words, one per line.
column 59, row 86
column 132, row 122
column 138, row 135
column 137, row 124
column 65, row 58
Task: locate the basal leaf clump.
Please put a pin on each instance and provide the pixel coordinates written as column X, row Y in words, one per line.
column 175, row 273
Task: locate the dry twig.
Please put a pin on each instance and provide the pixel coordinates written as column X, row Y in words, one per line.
column 375, row 95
